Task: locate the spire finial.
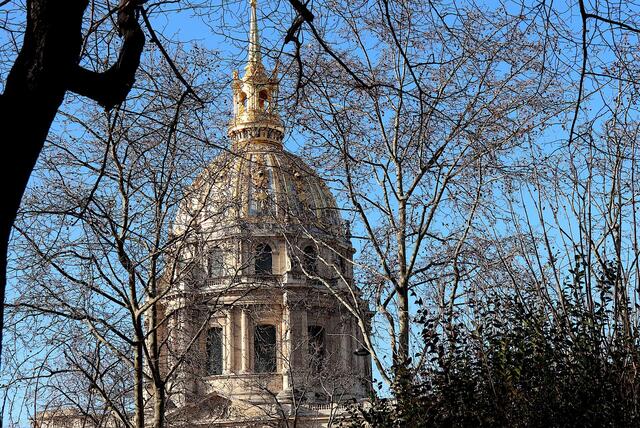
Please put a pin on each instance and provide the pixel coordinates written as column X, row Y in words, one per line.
column 256, row 118
column 254, row 64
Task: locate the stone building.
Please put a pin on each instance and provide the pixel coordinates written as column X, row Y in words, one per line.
column 256, row 330
column 278, row 342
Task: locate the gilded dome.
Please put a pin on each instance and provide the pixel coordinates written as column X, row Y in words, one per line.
column 262, row 185
column 257, row 182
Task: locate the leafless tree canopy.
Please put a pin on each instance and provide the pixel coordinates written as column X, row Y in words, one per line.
column 477, row 150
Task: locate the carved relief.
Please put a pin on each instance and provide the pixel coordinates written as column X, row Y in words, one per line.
column 301, row 190
column 261, row 182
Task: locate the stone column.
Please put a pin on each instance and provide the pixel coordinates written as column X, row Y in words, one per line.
column 346, row 350
column 183, row 329
column 286, row 394
column 358, row 367
column 228, row 342
column 304, row 339
column 354, row 345
column 245, row 356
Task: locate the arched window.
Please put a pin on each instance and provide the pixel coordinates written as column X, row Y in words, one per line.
column 263, row 260
column 214, row 351
column 310, row 260
column 263, row 100
column 316, row 347
column 215, row 263
column 264, row 343
column 243, row 102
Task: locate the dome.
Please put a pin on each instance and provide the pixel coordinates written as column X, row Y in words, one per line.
column 257, row 182
column 265, row 186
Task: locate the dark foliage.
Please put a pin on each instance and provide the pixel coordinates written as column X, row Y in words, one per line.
column 530, row 358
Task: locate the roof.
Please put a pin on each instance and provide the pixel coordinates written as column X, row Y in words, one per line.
column 260, row 184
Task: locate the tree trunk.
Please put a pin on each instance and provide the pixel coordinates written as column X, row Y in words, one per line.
column 138, row 388
column 45, row 69
column 158, row 406
column 33, row 93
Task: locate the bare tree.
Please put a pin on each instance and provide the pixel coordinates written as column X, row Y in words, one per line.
column 88, row 48
column 48, row 66
column 412, row 116
column 577, row 216
column 96, row 229
column 439, row 126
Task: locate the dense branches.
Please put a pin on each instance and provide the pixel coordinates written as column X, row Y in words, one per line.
column 95, row 229
column 414, row 144
column 47, row 66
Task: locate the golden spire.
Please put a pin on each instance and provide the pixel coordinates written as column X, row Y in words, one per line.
column 256, row 118
column 254, row 63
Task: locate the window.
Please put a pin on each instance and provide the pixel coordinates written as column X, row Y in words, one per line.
column 310, row 260
column 316, row 347
column 263, row 260
column 214, row 351
column 293, row 260
column 215, row 265
column 264, row 343
column 261, row 190
column 243, row 102
column 263, row 100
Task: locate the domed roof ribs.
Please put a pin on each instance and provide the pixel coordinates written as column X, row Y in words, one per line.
column 256, row 118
